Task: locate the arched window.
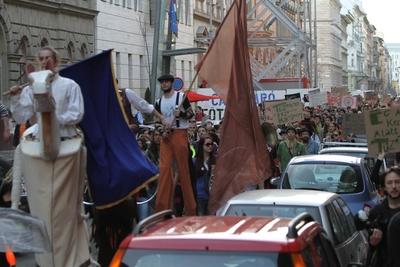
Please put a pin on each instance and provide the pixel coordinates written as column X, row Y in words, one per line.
column 71, row 52
column 84, row 51
column 23, row 46
column 44, row 42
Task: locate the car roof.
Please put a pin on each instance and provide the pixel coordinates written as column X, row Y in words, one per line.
column 347, row 144
column 296, row 197
column 230, row 233
column 326, row 158
column 344, row 149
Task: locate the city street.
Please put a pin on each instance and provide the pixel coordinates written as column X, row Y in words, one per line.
column 160, row 133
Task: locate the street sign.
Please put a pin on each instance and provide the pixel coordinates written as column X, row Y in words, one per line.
column 177, row 85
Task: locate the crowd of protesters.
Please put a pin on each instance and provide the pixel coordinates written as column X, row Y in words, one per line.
column 320, row 124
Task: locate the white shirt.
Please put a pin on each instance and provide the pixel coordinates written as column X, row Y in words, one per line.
column 69, row 105
column 137, row 102
column 168, row 105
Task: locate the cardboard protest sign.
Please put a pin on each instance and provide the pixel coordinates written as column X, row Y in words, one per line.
column 371, row 97
column 284, row 112
column 353, row 123
column 317, row 98
column 383, row 130
column 335, row 96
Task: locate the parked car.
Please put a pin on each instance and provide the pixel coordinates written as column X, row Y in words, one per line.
column 164, row 241
column 346, row 144
column 344, row 175
column 360, row 152
column 327, row 208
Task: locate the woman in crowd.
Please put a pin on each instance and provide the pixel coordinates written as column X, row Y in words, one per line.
column 204, row 163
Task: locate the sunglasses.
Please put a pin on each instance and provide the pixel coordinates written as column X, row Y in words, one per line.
column 208, row 144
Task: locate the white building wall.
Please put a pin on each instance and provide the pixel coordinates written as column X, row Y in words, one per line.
column 184, row 64
column 118, row 27
column 124, row 25
column 329, row 38
column 394, row 51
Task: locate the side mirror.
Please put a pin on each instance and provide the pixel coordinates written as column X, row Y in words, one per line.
column 275, row 181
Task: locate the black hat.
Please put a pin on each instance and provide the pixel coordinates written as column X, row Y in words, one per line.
column 166, row 77
column 305, row 129
column 290, row 128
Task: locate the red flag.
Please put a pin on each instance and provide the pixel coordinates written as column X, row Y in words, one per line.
column 195, row 97
column 243, row 159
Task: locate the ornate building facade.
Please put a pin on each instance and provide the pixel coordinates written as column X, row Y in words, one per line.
column 27, row 25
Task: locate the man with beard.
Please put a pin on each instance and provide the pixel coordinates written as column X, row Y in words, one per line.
column 380, row 216
column 176, row 110
column 312, row 147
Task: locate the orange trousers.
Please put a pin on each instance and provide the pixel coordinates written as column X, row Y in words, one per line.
column 175, row 147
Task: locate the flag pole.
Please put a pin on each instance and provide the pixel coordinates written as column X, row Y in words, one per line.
column 193, row 80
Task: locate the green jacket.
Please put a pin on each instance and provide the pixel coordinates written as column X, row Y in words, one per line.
column 285, row 155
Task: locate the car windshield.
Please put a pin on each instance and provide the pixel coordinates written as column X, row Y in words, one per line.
column 287, row 211
column 181, row 258
column 332, row 177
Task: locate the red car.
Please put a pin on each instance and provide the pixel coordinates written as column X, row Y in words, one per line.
column 162, row 240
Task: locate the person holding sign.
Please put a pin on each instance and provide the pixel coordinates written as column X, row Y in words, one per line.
column 289, row 148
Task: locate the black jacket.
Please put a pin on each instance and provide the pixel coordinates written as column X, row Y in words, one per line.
column 379, row 217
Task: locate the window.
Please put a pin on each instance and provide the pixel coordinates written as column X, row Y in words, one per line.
column 44, row 42
column 71, row 52
column 23, row 46
column 140, row 5
column 337, row 229
column 129, row 3
column 142, row 71
column 286, row 211
column 84, row 51
column 135, row 5
column 187, row 13
column 333, row 177
column 180, row 9
column 190, row 72
column 348, row 216
column 130, row 71
column 118, row 63
column 116, row 2
column 184, row 258
column 183, row 70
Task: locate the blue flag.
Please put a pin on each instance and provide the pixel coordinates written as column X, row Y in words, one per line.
column 115, row 164
column 173, row 21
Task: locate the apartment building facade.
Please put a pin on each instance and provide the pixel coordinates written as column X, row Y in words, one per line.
column 329, row 43
column 127, row 27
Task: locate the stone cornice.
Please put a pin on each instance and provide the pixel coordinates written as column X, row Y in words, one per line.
column 53, row 6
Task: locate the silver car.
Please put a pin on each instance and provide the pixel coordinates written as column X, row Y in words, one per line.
column 327, row 208
column 361, row 152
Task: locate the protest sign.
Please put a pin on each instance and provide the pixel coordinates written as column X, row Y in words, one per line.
column 215, row 108
column 353, row 123
column 335, row 96
column 284, row 112
column 348, row 101
column 383, row 130
column 292, row 96
column 371, row 97
column 317, row 98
